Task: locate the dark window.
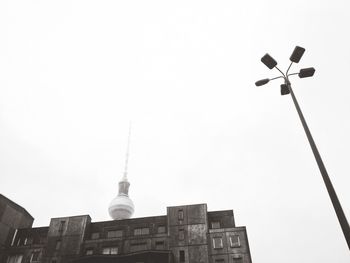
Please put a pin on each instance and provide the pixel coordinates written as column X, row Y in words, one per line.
column 182, row 255
column 161, row 229
column 160, row 245
column 18, row 242
column 181, row 234
column 42, row 240
column 115, row 233
column 29, row 241
column 217, row 243
column 215, row 224
column 35, row 256
column 95, row 235
column 235, row 241
column 219, row 260
column 237, row 259
column 58, row 244
column 89, row 251
column 138, row 246
column 62, row 223
column 181, row 214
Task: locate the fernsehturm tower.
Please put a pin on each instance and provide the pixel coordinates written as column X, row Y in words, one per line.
column 122, row 206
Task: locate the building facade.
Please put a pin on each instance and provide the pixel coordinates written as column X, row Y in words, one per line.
column 186, row 234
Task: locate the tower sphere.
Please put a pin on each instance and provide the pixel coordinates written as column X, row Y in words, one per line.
column 121, row 207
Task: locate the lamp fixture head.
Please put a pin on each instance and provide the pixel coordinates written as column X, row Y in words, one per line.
column 297, row 54
column 261, row 82
column 269, row 61
column 306, row 72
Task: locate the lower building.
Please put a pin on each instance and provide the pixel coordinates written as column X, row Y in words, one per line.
column 186, row 234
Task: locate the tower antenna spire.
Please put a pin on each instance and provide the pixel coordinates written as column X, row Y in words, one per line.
column 125, row 176
column 122, row 207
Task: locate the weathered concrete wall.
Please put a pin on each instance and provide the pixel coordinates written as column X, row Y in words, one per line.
column 229, row 253
column 64, row 239
column 12, row 217
column 188, row 228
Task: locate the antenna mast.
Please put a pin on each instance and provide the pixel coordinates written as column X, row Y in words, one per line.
column 127, row 155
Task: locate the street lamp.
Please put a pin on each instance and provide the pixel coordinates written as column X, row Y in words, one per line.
column 286, row 88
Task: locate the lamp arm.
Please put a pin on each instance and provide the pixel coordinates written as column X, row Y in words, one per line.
column 289, row 68
column 277, row 78
column 284, row 76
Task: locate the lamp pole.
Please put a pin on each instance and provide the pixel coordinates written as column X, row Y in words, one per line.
column 286, row 88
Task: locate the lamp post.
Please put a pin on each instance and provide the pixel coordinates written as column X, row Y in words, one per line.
column 286, row 88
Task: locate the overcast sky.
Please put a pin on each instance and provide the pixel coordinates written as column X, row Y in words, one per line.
column 73, row 73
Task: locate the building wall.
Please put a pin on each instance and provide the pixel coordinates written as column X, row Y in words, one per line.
column 234, row 247
column 188, row 227
column 185, row 235
column 12, row 217
column 64, row 239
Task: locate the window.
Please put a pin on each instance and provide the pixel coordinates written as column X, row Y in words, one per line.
column 58, row 244
column 145, row 231
column 235, row 241
column 138, row 246
column 141, row 231
column 181, row 234
column 28, row 241
column 18, row 242
column 95, row 235
column 161, row 229
column 220, row 260
column 182, row 255
column 237, row 259
column 42, row 240
column 110, row 251
column 180, row 214
column 114, row 233
column 14, row 237
column 62, row 223
column 14, row 259
column 35, row 256
column 159, row 244
column 215, row 224
column 137, row 232
column 89, row 251
column 217, row 243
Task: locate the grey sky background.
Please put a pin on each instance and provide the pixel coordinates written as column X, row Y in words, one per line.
column 73, row 73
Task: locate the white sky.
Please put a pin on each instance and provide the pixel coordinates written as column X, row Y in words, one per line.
column 73, row 73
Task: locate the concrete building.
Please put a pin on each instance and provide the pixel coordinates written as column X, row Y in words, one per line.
column 185, row 234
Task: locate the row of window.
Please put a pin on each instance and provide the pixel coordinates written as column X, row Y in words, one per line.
column 234, row 242
column 137, row 232
column 142, row 245
column 235, row 259
column 29, row 241
column 18, row 258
